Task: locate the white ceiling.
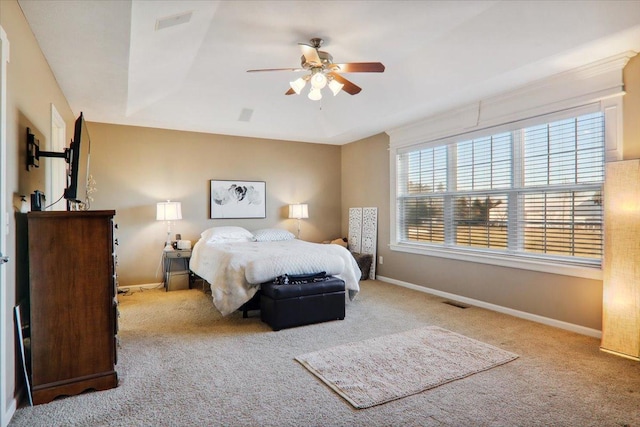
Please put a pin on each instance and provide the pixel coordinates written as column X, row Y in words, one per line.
column 113, row 65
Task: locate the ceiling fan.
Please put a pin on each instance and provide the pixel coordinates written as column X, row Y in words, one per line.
column 324, row 72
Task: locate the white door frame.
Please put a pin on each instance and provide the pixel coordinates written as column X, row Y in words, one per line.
column 56, row 179
column 6, row 309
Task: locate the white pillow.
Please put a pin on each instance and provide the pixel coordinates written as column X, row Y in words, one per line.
column 226, row 234
column 272, row 235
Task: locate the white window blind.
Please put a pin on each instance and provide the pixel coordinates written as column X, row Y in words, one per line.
column 535, row 191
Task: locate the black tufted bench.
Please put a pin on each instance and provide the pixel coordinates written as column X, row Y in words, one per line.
column 285, row 306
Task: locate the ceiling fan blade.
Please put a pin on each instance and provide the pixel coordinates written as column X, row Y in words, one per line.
column 358, row 67
column 275, row 69
column 290, row 92
column 348, row 87
column 310, row 54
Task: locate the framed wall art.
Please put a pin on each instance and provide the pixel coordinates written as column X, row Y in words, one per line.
column 238, row 199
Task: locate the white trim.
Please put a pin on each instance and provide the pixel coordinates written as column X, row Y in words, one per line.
column 5, row 308
column 9, row 412
column 613, row 138
column 612, row 107
column 502, row 260
column 56, row 178
column 595, row 333
column 142, row 286
column 595, row 87
column 516, row 125
column 590, row 83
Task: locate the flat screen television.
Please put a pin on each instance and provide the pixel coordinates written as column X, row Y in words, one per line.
column 78, row 159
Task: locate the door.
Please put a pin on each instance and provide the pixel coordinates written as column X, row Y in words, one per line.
column 6, row 342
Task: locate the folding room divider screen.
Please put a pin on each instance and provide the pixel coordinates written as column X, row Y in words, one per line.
column 363, row 234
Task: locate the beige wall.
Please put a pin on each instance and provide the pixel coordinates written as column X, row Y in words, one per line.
column 135, row 168
column 365, row 182
column 32, row 89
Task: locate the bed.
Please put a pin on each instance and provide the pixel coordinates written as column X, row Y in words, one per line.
column 235, row 262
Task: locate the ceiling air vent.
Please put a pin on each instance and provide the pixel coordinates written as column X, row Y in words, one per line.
column 173, row 20
column 245, row 115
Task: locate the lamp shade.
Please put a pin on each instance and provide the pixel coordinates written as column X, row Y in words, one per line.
column 168, row 211
column 318, row 81
column 620, row 274
column 335, row 87
column 315, row 94
column 299, row 211
column 297, row 85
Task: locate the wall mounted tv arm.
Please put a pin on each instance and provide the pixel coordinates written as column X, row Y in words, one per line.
column 34, row 153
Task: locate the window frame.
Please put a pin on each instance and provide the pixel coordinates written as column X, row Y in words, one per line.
column 611, row 109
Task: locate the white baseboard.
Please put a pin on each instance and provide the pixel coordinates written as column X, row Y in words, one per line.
column 141, row 286
column 8, row 414
column 500, row 309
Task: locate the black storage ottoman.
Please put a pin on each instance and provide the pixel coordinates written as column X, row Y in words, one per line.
column 285, row 306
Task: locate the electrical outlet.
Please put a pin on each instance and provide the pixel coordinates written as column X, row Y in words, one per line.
column 380, row 260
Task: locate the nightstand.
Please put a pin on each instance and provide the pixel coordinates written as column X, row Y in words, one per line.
column 175, row 269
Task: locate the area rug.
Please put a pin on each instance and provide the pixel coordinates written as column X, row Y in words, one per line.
column 379, row 370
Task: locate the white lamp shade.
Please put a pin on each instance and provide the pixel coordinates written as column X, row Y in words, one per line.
column 168, row 211
column 298, row 85
column 620, row 274
column 315, row 95
column 318, row 80
column 299, row 211
column 335, row 87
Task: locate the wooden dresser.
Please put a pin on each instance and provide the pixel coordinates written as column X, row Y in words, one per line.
column 73, row 306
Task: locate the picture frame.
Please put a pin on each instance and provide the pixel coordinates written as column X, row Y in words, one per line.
column 236, row 199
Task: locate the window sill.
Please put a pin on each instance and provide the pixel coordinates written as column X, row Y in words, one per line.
column 505, row 260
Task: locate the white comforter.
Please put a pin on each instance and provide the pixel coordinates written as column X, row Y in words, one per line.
column 234, row 270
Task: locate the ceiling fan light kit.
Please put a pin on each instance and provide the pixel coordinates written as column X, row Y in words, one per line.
column 298, row 84
column 315, row 94
column 318, row 80
column 335, row 87
column 324, row 72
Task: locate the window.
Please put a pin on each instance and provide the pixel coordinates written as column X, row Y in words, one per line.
column 534, row 191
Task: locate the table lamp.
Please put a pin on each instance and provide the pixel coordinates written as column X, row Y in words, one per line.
column 168, row 211
column 299, row 211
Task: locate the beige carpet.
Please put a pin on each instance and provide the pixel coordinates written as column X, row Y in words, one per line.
column 182, row 364
column 379, row 370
